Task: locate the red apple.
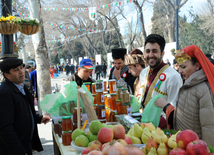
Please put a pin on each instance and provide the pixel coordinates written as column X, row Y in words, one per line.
column 105, row 135
column 183, row 138
column 211, row 153
column 95, row 145
column 122, row 142
column 128, row 140
column 85, row 150
column 198, row 147
column 178, row 151
column 119, row 131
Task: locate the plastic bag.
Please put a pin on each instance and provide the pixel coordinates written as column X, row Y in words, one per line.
column 135, row 104
column 62, row 104
column 151, row 112
column 57, row 105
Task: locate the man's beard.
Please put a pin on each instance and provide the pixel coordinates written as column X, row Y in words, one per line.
column 158, row 61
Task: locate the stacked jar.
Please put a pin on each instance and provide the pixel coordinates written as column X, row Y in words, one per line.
column 75, row 117
column 88, row 85
column 112, row 86
column 105, row 86
column 118, row 92
column 125, row 99
column 66, row 130
column 93, row 89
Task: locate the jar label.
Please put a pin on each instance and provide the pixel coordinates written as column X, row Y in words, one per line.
column 102, row 98
column 103, row 113
column 114, row 87
column 129, row 112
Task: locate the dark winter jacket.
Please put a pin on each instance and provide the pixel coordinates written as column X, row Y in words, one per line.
column 16, row 121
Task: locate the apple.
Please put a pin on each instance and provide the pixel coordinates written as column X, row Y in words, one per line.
column 81, row 141
column 183, row 138
column 119, row 131
column 76, row 133
column 95, row 126
column 92, row 137
column 128, row 139
column 105, row 135
column 178, row 151
column 122, row 142
column 85, row 150
column 198, row 147
column 95, row 145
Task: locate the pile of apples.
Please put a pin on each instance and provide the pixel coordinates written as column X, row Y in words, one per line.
column 104, row 139
column 157, row 143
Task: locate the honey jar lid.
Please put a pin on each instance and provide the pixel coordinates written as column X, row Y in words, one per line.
column 59, row 121
column 99, row 80
column 124, row 89
column 67, row 131
column 126, row 103
column 118, row 100
column 87, row 83
column 112, row 80
column 100, row 106
column 93, row 83
column 119, row 86
column 113, row 94
column 66, row 117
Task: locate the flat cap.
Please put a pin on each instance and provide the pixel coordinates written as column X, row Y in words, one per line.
column 9, row 63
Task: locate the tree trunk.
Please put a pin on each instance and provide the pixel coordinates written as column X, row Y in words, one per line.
column 171, row 33
column 41, row 55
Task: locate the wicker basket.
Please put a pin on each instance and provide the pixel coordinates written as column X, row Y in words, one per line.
column 29, row 29
column 8, row 28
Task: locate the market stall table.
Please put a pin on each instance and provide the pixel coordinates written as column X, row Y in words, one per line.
column 59, row 148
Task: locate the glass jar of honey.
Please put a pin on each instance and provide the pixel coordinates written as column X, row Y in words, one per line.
column 119, row 107
column 112, row 116
column 112, row 86
column 118, row 92
column 66, row 138
column 66, row 123
column 105, row 86
column 93, row 89
column 99, row 86
column 113, row 101
column 108, row 112
column 127, row 109
column 125, row 95
column 100, row 98
column 107, row 101
column 74, row 126
column 101, row 111
column 75, row 114
column 88, row 85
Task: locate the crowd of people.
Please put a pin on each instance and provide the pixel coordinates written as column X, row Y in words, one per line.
column 187, row 89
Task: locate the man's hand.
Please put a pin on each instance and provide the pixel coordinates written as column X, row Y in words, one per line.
column 160, row 102
column 116, row 73
column 45, row 119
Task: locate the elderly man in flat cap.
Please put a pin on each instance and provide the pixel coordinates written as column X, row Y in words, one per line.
column 18, row 119
column 158, row 77
column 120, row 72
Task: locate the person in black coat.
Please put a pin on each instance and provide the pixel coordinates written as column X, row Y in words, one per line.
column 98, row 70
column 18, row 127
column 104, row 68
column 120, row 72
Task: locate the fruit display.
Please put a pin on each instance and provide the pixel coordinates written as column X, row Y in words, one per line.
column 105, row 139
column 157, row 142
column 112, row 139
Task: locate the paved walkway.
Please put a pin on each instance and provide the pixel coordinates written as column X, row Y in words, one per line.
column 45, row 131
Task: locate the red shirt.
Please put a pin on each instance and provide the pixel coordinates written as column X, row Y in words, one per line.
column 152, row 75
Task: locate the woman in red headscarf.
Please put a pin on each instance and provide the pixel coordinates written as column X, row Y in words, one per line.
column 195, row 105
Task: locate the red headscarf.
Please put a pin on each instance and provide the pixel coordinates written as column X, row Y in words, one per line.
column 206, row 65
